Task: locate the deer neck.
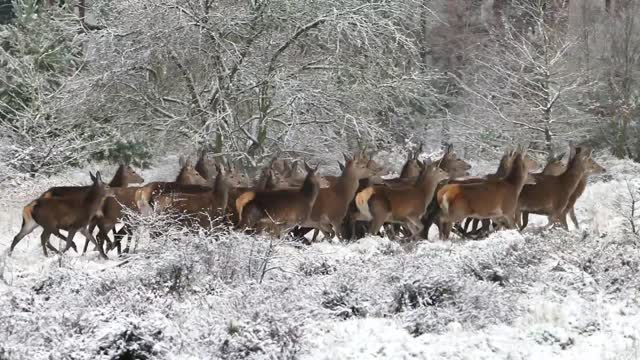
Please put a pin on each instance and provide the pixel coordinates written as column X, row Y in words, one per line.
column 310, row 189
column 573, row 175
column 503, row 169
column 404, row 173
column 93, row 202
column 427, row 186
column 516, row 176
column 347, row 184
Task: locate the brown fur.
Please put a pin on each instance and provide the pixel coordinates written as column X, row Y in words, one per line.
column 550, row 195
column 485, row 200
column 555, row 167
column 332, row 203
column 72, row 213
column 405, row 206
column 281, row 209
column 199, row 208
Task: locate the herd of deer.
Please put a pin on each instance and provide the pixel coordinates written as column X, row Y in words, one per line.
column 288, row 199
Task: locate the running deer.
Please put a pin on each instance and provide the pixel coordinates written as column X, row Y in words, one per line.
column 555, row 196
column 278, row 210
column 497, row 199
column 124, row 176
column 405, row 206
column 332, row 202
column 72, row 213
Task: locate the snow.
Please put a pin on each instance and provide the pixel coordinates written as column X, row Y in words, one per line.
column 539, row 294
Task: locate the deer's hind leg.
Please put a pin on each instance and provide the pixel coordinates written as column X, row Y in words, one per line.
column 26, row 229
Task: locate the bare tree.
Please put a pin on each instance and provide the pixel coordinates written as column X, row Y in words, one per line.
column 522, row 83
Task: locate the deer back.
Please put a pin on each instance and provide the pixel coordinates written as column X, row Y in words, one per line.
column 484, row 199
column 551, row 193
column 72, row 211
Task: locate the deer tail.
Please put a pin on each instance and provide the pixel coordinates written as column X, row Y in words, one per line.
column 362, row 201
column 243, row 200
column 143, row 199
column 27, row 212
column 446, row 196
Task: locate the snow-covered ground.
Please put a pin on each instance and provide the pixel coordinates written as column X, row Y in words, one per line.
column 535, row 295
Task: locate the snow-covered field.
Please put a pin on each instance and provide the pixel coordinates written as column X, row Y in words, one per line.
column 536, row 295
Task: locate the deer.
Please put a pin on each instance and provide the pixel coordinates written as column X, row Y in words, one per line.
column 124, row 176
column 332, row 203
column 455, row 166
column 275, row 211
column 434, row 211
column 551, row 195
column 381, row 204
column 201, row 207
column 554, row 167
column 493, row 199
column 72, row 213
column 504, row 167
column 592, row 168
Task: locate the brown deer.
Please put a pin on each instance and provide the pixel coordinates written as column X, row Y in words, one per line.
column 332, row 202
column 504, row 168
column 555, row 203
column 278, row 210
column 554, row 167
column 124, row 176
column 496, row 199
column 592, row 168
column 381, row 204
column 200, row 208
column 455, row 166
column 71, row 213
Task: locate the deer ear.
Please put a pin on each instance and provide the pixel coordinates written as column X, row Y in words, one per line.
column 417, row 153
column 307, row 167
column 449, row 149
column 93, row 178
column 409, row 156
column 346, row 158
column 341, row 166
column 98, row 178
column 559, row 157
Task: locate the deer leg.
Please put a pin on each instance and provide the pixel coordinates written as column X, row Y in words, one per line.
column 316, row 231
column 84, row 231
column 127, row 232
column 70, row 235
column 415, row 227
column 57, row 233
column 44, row 239
column 337, row 229
column 467, row 222
column 574, row 219
column 26, row 229
column 390, row 231
column 376, row 223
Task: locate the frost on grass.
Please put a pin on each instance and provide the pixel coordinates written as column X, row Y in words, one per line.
column 221, row 294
